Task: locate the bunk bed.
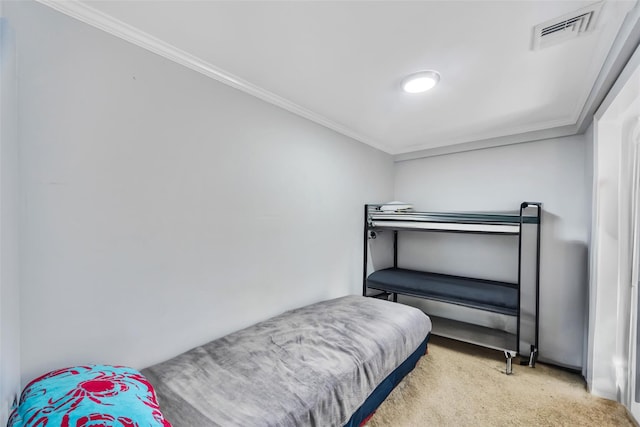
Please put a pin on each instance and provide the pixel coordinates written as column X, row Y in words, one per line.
column 503, row 298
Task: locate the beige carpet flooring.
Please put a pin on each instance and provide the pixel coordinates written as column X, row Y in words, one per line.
column 459, row 384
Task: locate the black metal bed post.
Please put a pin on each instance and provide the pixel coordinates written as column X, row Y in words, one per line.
column 539, row 205
column 365, row 251
column 395, row 249
column 395, row 258
column 533, row 355
column 522, row 207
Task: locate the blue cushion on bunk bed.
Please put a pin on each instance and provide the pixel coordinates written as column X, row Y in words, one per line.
column 490, row 295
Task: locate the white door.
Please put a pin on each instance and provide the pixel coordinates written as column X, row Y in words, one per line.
column 634, row 355
column 613, row 361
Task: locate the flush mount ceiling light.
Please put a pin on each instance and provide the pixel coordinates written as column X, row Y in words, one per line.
column 421, row 81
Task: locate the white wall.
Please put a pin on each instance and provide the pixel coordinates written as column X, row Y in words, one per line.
column 164, row 209
column 9, row 224
column 553, row 172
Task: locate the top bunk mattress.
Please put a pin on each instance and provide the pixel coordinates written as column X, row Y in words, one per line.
column 311, row 366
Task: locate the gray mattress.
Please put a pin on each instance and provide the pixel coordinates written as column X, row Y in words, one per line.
column 313, row 366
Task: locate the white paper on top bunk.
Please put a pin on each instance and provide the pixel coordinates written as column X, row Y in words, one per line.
column 395, row 206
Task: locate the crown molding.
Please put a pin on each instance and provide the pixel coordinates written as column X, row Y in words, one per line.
column 629, row 71
column 538, row 135
column 621, row 52
column 88, row 15
column 513, row 133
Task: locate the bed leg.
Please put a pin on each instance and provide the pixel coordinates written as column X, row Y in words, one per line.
column 533, row 356
column 509, row 355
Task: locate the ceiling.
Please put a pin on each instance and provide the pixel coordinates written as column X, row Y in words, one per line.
column 340, row 63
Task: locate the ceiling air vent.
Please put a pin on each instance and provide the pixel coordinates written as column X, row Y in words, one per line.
column 565, row 27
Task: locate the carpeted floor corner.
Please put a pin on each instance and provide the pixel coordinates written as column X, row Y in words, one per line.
column 459, row 384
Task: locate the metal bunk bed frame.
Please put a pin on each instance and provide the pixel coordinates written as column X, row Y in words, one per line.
column 478, row 223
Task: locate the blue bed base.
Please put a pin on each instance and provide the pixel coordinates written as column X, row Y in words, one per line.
column 383, row 390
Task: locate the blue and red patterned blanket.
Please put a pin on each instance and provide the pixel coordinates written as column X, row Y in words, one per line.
column 89, row 396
